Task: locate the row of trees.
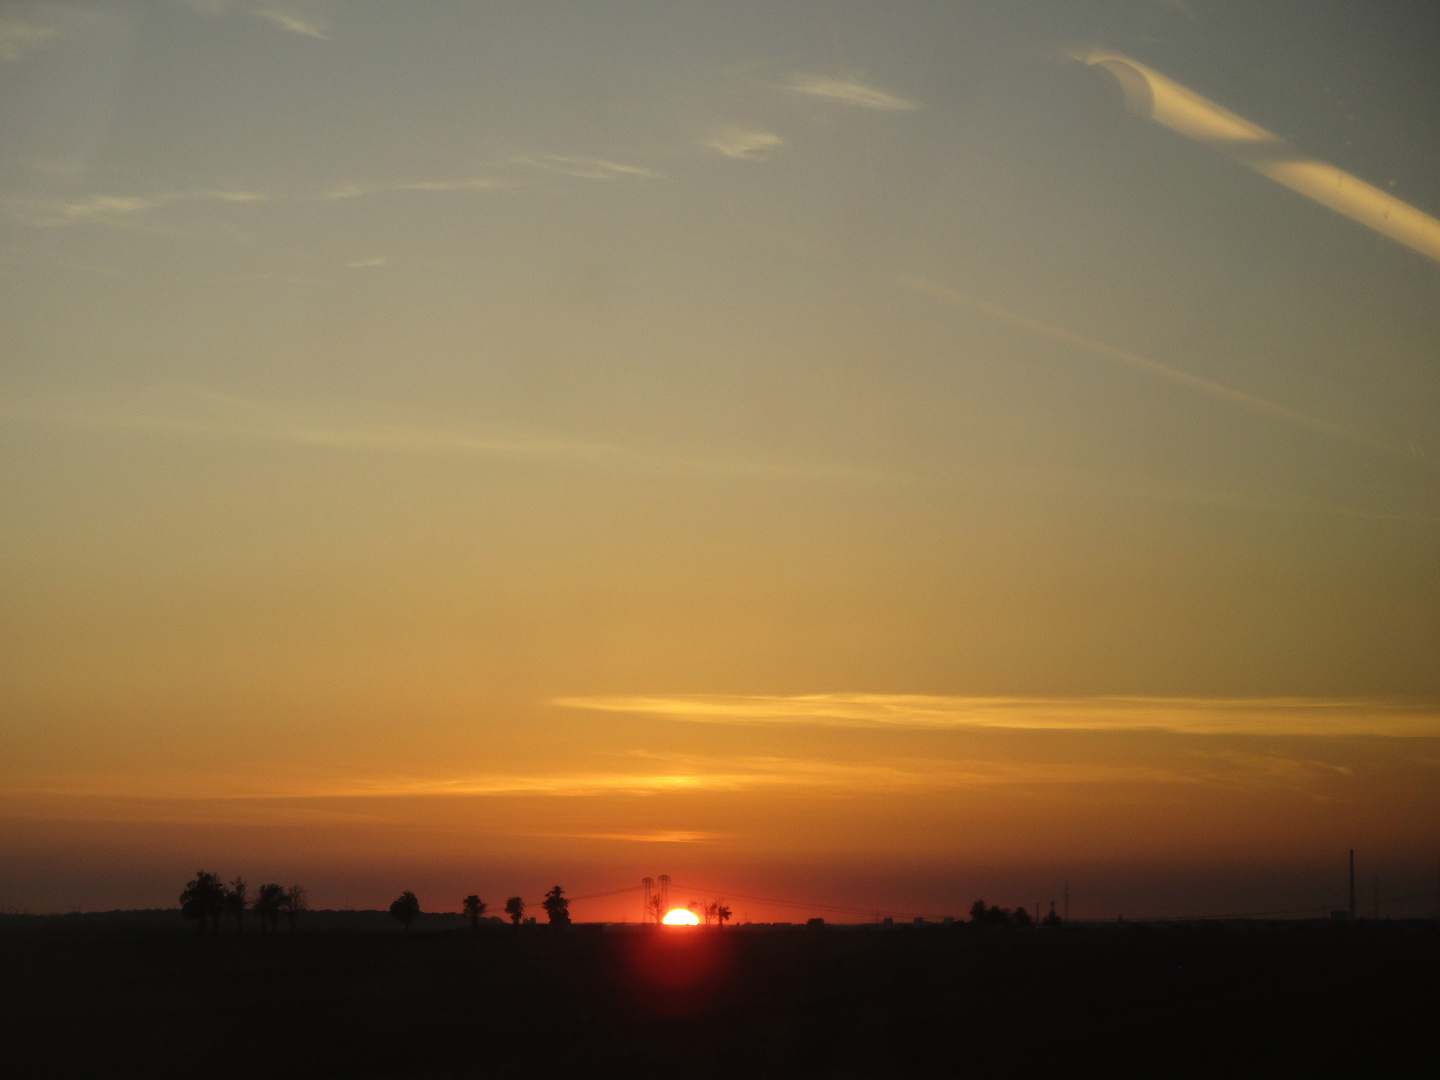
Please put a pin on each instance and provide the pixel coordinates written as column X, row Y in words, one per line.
column 406, row 908
column 1021, row 919
column 209, row 898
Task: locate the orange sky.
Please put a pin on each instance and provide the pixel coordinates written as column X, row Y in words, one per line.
column 868, row 461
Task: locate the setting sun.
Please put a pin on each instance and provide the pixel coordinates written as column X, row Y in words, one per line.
column 680, row 917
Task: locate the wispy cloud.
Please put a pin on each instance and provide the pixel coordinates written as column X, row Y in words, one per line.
column 586, row 168
column 662, row 836
column 850, row 92
column 743, row 143
column 644, row 775
column 20, row 36
column 294, row 20
column 108, row 209
column 212, row 8
column 190, row 411
column 360, row 190
column 1138, row 362
column 1190, row 716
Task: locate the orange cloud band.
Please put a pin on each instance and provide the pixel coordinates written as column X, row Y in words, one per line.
column 1152, row 95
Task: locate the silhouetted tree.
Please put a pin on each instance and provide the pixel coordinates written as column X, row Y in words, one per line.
column 474, row 907
column 203, row 898
column 981, row 915
column 656, row 908
column 269, row 900
column 557, row 908
column 722, row 913
column 405, row 907
column 1021, row 919
column 236, row 901
column 515, row 908
column 1051, row 921
column 296, row 902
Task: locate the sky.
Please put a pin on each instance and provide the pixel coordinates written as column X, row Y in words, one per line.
column 875, row 457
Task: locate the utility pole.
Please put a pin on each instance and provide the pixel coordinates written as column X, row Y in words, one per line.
column 1352, row 884
column 1375, row 905
column 1067, row 901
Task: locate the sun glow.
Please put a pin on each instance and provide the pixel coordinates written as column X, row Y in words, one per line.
column 680, row 917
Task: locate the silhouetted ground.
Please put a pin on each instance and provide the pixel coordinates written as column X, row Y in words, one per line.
column 86, row 998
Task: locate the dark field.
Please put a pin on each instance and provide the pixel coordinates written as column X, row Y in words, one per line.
column 1198, row 1000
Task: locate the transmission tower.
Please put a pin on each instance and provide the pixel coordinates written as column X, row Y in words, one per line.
column 664, row 892
column 648, row 884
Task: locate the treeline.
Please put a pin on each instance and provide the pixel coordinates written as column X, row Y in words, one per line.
column 406, row 908
column 208, row 898
column 1019, row 919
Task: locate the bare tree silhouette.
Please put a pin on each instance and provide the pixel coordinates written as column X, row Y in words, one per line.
column 236, row 901
column 557, row 908
column 269, row 899
column 203, row 898
column 515, row 908
column 656, row 908
column 405, row 907
column 474, row 907
column 296, row 902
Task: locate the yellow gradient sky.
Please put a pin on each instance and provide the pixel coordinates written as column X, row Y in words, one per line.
column 873, row 457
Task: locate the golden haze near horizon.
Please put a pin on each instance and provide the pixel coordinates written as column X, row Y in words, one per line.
column 882, row 462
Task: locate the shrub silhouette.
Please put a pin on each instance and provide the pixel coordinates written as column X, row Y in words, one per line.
column 557, row 908
column 474, row 907
column 203, row 898
column 405, row 907
column 515, row 908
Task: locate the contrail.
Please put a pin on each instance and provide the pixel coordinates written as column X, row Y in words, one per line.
column 1137, row 362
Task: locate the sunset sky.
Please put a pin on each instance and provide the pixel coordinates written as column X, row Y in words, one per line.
column 874, row 455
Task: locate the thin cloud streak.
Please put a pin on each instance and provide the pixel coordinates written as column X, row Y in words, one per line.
column 1145, row 364
column 665, row 775
column 359, row 190
column 1187, row 716
column 586, row 168
column 294, row 22
column 744, row 144
column 19, row 37
column 188, row 411
column 108, row 209
column 850, row 92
